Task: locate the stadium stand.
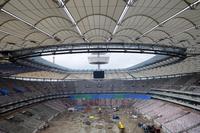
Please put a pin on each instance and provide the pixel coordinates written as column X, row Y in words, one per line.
column 173, row 119
column 44, row 74
column 32, row 119
column 26, row 92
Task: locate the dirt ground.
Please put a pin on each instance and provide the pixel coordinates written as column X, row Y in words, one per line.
column 80, row 122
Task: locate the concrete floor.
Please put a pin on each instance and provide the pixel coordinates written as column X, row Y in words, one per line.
column 102, row 123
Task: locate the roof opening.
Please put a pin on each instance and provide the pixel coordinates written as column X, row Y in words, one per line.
column 80, row 61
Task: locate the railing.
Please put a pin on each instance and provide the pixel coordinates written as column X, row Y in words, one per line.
column 136, row 78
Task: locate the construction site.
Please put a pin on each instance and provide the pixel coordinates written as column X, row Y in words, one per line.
column 97, row 119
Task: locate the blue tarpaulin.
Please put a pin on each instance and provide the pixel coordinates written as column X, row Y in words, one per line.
column 111, row 96
column 4, row 91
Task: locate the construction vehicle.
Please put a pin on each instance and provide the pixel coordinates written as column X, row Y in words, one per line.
column 121, row 127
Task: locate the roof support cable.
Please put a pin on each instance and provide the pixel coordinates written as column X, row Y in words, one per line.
column 72, row 19
column 18, row 18
column 188, row 7
column 129, row 3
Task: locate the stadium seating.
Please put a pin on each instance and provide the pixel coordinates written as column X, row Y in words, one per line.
column 32, row 119
column 170, row 89
column 15, row 94
column 172, row 118
column 194, row 130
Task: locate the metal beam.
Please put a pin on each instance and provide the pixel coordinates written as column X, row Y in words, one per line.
column 173, row 16
column 28, row 23
column 119, row 22
column 105, row 47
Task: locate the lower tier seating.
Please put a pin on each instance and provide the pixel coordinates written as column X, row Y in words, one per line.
column 173, row 118
column 31, row 119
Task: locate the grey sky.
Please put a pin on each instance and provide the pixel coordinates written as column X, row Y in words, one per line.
column 117, row 60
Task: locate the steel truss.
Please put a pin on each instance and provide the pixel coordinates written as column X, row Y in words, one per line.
column 106, row 47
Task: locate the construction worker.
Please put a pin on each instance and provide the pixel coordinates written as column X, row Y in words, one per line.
column 100, row 110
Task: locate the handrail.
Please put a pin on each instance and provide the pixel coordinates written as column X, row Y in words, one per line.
column 136, row 78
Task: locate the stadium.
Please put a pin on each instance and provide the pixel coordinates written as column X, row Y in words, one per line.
column 131, row 66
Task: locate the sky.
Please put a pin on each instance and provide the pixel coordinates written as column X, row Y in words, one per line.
column 117, row 60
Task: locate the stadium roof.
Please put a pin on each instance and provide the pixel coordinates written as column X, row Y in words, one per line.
column 42, row 23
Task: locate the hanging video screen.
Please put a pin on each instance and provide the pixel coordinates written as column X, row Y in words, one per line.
column 98, row 74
